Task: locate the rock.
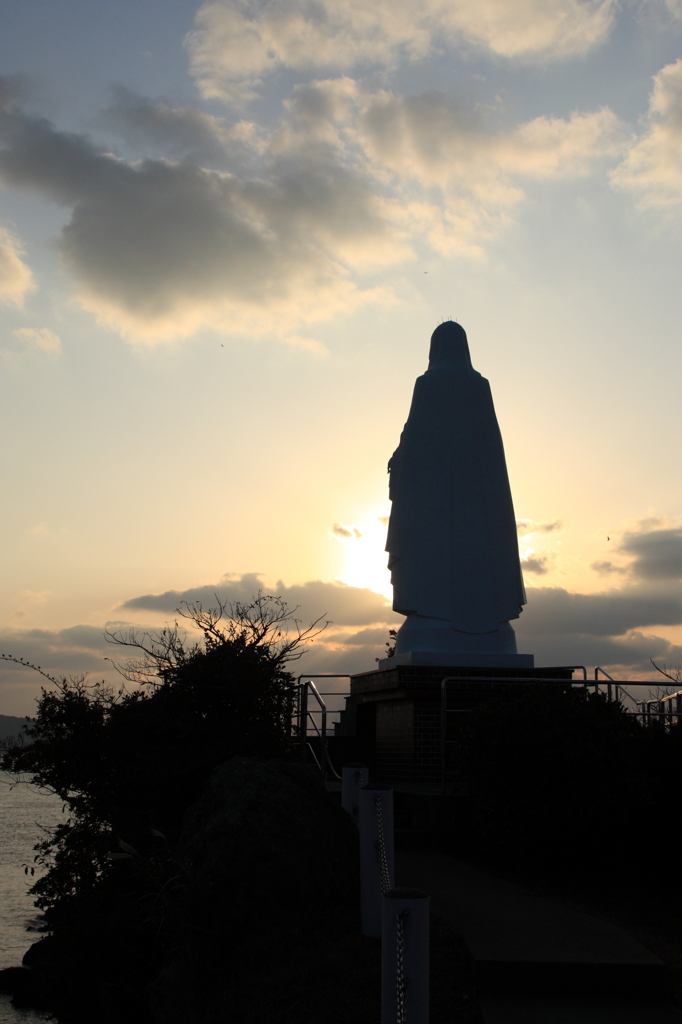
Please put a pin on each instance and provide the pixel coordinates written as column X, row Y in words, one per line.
column 271, row 863
column 15, row 980
column 272, row 849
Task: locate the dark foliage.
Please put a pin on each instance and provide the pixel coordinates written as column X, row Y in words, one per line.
column 127, row 764
column 560, row 783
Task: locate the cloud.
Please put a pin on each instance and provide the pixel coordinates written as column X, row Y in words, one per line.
column 652, row 168
column 238, row 43
column 343, row 605
column 71, row 651
column 433, row 137
column 608, row 629
column 16, row 278
column 608, row 568
column 462, row 174
column 282, row 230
column 626, row 656
column 41, row 338
column 159, row 248
column 658, row 553
column 536, row 565
column 524, row 526
column 339, row 530
column 177, row 132
column 554, row 610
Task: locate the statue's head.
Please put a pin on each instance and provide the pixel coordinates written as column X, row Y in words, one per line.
column 449, row 347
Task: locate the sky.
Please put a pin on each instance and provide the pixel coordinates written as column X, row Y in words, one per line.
column 227, row 232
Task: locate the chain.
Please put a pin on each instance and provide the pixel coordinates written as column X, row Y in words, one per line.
column 400, row 976
column 383, row 860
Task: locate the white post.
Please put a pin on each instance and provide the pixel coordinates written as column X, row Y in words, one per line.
column 375, row 820
column 405, row 957
column 353, row 777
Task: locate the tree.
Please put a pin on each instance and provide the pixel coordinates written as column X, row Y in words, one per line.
column 128, row 762
column 555, row 780
column 673, row 674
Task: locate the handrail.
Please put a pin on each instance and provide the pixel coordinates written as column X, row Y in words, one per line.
column 635, row 682
column 310, row 748
column 304, row 714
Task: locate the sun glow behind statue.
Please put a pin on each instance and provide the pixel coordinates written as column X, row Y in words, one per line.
column 365, row 560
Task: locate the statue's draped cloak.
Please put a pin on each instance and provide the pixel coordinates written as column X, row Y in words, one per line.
column 452, row 541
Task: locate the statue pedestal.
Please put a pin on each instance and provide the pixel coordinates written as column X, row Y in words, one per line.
column 393, row 717
column 458, row 660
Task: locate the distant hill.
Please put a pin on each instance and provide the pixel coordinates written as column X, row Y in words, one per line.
column 11, row 726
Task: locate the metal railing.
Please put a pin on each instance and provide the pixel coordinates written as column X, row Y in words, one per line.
column 647, row 711
column 651, row 710
column 314, row 721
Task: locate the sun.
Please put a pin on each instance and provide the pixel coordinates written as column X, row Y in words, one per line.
column 365, row 560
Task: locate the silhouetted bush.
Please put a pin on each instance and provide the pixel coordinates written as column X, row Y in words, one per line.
column 559, row 782
column 128, row 764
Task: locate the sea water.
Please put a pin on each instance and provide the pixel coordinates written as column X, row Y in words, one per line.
column 25, row 813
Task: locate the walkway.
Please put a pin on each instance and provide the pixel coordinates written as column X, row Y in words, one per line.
column 538, row 961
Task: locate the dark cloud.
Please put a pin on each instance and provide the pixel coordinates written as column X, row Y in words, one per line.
column 553, row 610
column 75, row 649
column 536, row 565
column 607, row 629
column 376, row 635
column 178, row 132
column 559, row 627
column 162, row 247
column 621, row 655
column 341, row 604
column 657, row 553
column 13, row 87
column 339, row 530
column 608, row 568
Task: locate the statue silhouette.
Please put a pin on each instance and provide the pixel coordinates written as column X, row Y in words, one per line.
column 452, row 541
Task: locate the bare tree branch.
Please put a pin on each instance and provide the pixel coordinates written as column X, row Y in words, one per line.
column 265, row 623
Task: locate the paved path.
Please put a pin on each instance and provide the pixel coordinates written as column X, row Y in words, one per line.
column 538, row 961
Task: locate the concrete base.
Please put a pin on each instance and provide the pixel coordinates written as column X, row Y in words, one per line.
column 538, row 961
column 449, row 660
column 565, row 1009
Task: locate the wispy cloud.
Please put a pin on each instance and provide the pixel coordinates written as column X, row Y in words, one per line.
column 243, row 228
column 339, row 530
column 16, row 279
column 652, row 168
column 236, row 45
column 39, row 337
column 342, row 604
column 524, row 526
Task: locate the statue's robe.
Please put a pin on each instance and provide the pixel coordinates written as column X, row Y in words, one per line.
column 452, row 541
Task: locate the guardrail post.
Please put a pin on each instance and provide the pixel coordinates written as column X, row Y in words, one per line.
column 405, row 957
column 353, row 777
column 303, row 718
column 375, row 820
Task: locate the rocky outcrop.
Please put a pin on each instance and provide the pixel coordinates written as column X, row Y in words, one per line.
column 271, row 860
